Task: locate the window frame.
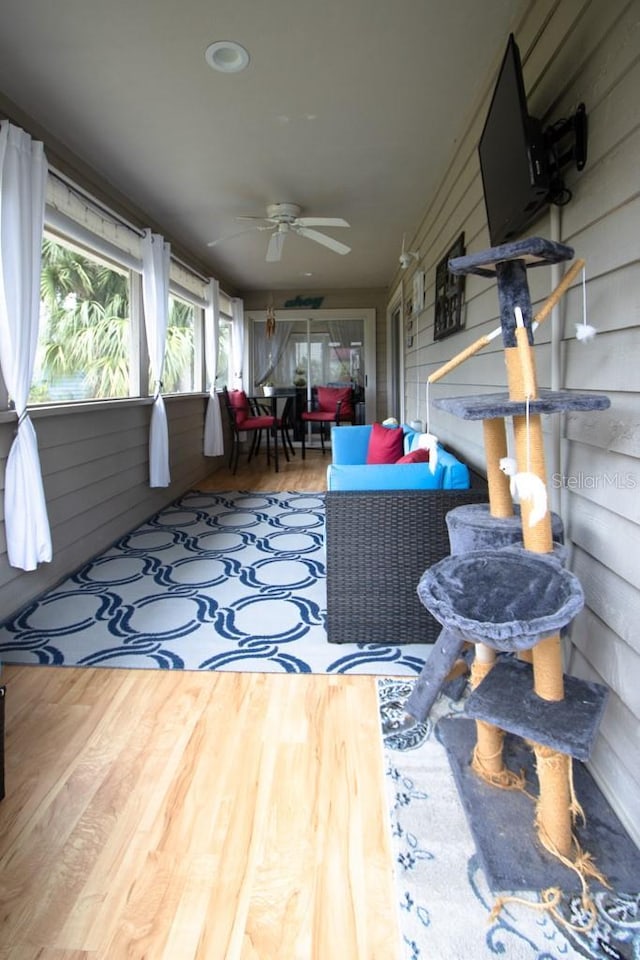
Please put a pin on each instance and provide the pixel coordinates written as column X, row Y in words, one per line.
column 225, row 319
column 118, row 242
column 136, row 347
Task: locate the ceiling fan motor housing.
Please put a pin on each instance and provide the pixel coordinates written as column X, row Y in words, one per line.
column 283, row 212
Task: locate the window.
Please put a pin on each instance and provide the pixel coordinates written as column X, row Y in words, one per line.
column 88, row 328
column 84, row 343
column 224, row 375
column 91, row 341
column 179, row 375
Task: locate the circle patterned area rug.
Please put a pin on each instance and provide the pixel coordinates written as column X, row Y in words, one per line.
column 225, row 581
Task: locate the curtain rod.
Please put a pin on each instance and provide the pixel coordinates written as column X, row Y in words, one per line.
column 116, row 217
column 98, row 204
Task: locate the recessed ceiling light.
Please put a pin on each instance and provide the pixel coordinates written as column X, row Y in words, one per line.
column 227, row 56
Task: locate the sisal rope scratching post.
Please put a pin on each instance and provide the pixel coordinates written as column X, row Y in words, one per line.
column 495, row 449
column 500, row 501
column 554, row 820
column 488, row 760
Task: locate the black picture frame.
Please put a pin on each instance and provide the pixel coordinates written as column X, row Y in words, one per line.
column 449, row 316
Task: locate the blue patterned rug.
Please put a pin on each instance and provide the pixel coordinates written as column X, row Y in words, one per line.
column 444, row 902
column 225, row 581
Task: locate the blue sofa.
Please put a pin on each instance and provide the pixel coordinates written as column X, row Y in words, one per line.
column 349, row 469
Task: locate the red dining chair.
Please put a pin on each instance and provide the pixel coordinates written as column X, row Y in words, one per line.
column 333, row 405
column 244, row 419
column 283, row 421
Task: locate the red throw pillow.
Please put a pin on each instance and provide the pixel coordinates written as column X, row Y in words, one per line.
column 416, row 456
column 385, row 444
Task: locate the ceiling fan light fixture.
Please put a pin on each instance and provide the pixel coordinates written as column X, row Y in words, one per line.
column 227, row 56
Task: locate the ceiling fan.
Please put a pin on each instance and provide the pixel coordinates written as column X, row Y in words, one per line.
column 284, row 218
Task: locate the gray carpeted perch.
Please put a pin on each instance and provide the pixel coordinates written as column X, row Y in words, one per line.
column 509, row 598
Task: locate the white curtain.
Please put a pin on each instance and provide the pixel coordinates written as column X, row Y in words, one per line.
column 237, row 341
column 213, row 442
column 23, row 177
column 156, row 255
column 269, row 351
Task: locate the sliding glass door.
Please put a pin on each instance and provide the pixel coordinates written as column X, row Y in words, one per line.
column 310, row 350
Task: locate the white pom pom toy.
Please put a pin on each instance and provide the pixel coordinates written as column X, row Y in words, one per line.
column 585, row 332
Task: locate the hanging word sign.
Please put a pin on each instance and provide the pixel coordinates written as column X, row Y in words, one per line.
column 312, row 302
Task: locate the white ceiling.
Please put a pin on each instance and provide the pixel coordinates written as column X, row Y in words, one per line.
column 350, row 108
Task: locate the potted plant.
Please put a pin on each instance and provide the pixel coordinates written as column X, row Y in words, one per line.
column 268, row 386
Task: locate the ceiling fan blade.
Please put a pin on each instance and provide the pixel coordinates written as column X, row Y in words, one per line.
column 322, row 238
column 230, row 236
column 274, row 250
column 321, row 222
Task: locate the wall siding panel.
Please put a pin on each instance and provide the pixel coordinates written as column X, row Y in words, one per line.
column 612, row 599
column 95, row 466
column 616, row 429
column 604, row 535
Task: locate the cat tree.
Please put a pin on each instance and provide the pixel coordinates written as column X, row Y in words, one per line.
column 505, row 589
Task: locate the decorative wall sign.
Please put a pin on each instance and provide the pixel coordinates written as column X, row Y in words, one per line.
column 449, row 294
column 314, row 303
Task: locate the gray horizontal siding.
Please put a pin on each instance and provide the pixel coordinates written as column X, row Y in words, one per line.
column 95, row 467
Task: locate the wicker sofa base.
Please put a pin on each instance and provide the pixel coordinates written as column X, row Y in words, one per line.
column 378, row 545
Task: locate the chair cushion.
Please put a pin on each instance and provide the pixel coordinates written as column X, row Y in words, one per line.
column 240, row 405
column 319, row 415
column 258, row 423
column 383, row 476
column 330, row 397
column 386, row 444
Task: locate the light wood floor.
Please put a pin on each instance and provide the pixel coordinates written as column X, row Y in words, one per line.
column 309, row 474
column 173, row 815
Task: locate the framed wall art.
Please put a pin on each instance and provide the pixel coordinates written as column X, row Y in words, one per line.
column 449, row 317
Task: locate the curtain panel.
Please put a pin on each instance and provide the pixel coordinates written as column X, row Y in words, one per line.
column 237, row 342
column 156, row 261
column 213, row 441
column 23, row 179
column 269, row 351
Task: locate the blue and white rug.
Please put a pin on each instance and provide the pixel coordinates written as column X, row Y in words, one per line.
column 225, row 581
column 444, row 901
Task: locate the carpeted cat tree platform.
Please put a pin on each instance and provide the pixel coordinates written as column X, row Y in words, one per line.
column 505, row 590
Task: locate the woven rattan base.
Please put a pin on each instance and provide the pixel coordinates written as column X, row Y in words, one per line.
column 379, row 543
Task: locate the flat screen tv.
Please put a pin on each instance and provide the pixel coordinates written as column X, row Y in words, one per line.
column 513, row 157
